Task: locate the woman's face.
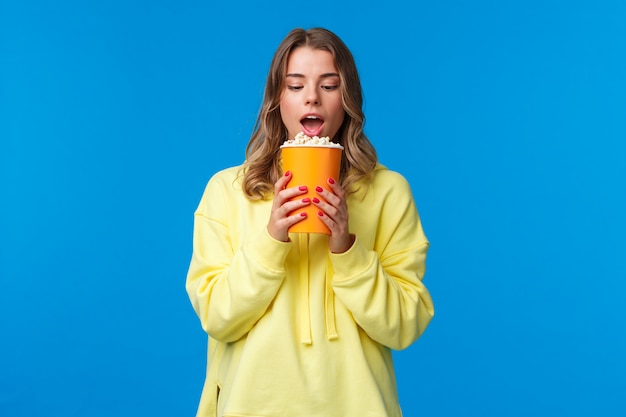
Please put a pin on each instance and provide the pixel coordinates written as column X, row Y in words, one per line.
column 311, row 98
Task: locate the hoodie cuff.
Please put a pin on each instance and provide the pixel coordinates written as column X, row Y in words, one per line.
column 351, row 262
column 269, row 252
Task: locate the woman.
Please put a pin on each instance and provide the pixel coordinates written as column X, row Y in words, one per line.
column 303, row 324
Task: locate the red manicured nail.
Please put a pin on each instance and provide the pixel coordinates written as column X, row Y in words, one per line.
column 331, row 181
column 306, row 200
column 288, row 173
column 302, row 188
column 316, row 200
column 319, row 189
column 303, row 214
column 319, row 213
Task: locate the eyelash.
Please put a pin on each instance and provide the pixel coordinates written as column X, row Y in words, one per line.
column 324, row 87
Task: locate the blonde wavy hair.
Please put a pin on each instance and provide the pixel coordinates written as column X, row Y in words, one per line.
column 263, row 163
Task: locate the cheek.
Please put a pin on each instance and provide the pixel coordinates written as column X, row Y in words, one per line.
column 286, row 107
column 284, row 110
column 338, row 107
column 287, row 115
column 339, row 113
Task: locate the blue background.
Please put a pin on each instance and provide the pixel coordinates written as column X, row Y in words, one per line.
column 506, row 117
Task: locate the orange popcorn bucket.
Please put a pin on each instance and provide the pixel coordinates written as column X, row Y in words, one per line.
column 311, row 166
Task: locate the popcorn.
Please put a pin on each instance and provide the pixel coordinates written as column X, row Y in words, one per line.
column 303, row 140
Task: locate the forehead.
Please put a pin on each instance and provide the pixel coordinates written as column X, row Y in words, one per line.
column 308, row 61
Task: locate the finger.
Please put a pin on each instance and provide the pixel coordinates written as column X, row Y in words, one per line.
column 293, row 205
column 282, row 182
column 338, row 230
column 336, row 188
column 296, row 218
column 281, row 219
column 290, row 194
column 331, row 198
column 335, row 209
column 340, row 239
column 285, row 222
column 327, row 209
column 327, row 220
column 283, row 195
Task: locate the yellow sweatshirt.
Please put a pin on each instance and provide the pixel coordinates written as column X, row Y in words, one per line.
column 297, row 331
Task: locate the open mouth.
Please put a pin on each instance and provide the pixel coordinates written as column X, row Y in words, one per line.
column 312, row 125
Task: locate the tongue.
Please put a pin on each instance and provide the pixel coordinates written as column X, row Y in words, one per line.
column 312, row 124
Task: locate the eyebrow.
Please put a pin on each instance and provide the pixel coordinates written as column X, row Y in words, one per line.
column 326, row 75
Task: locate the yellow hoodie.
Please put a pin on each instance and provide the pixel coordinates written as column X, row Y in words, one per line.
column 297, row 331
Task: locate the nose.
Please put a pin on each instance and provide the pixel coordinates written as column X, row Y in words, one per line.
column 312, row 96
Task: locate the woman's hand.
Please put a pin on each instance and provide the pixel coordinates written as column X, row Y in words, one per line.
column 334, row 214
column 280, row 220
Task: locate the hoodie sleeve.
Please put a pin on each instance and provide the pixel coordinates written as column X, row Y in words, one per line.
column 230, row 288
column 383, row 287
